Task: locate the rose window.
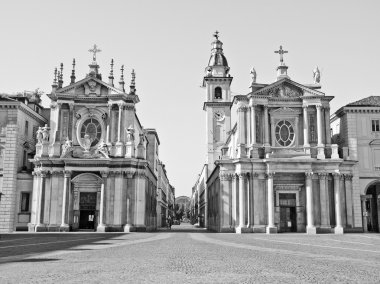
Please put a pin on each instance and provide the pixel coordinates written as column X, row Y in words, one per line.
column 284, row 133
column 93, row 129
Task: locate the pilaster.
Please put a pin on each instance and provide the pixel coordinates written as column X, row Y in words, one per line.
column 271, row 228
column 310, row 228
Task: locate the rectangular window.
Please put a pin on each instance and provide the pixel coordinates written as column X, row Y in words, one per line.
column 375, row 125
column 26, row 128
column 25, row 196
column 65, row 124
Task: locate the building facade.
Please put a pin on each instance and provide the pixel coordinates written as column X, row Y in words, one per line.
column 96, row 167
column 276, row 169
column 357, row 125
column 164, row 196
column 20, row 115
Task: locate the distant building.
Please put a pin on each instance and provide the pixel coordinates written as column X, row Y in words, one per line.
column 20, row 116
column 276, row 169
column 356, row 127
column 84, row 164
column 164, row 196
column 182, row 203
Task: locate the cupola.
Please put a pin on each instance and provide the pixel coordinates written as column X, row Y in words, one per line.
column 217, row 65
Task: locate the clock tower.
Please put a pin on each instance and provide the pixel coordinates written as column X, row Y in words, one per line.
column 217, row 103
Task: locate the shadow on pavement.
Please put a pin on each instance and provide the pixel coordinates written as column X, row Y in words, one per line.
column 29, row 243
column 35, row 260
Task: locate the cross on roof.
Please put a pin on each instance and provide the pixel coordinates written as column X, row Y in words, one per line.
column 94, row 50
column 216, row 34
column 281, row 52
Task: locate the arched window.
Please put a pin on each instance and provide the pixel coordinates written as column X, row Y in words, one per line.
column 218, row 93
column 284, row 133
column 92, row 128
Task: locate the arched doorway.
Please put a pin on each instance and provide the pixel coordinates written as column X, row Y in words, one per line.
column 371, row 208
column 86, row 201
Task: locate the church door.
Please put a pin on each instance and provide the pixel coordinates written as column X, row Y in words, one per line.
column 288, row 215
column 87, row 207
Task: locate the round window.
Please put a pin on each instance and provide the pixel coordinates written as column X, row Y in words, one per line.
column 284, row 133
column 93, row 129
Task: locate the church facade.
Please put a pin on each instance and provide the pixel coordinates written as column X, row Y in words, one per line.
column 276, row 169
column 96, row 167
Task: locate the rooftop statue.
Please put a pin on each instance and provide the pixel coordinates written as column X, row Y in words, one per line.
column 316, row 75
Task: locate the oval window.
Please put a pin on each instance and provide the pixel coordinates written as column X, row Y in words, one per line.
column 284, row 133
column 92, row 128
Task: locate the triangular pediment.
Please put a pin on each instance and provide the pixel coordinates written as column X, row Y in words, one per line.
column 286, row 88
column 89, row 86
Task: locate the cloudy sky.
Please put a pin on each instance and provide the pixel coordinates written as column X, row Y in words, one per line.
column 168, row 44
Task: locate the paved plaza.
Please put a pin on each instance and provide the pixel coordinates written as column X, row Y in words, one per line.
column 188, row 255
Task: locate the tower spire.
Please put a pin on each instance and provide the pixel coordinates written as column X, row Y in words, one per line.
column 60, row 77
column 110, row 77
column 54, row 85
column 73, row 73
column 133, row 81
column 121, row 82
column 217, row 65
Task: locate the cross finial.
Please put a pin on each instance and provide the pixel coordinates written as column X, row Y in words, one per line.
column 281, row 52
column 216, row 34
column 94, row 50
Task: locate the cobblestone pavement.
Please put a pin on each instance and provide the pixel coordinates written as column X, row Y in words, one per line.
column 189, row 255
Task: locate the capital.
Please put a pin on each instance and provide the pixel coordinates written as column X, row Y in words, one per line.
column 104, row 174
column 255, row 175
column 242, row 109
column 322, row 176
column 129, row 173
column 348, row 177
column 121, row 105
column 43, row 174
column 270, row 175
column 225, row 176
column 318, row 107
column 336, row 175
column 308, row 174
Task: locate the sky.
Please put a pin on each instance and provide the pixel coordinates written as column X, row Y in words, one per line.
column 168, row 44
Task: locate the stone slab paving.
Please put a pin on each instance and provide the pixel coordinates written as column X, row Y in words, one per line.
column 189, row 255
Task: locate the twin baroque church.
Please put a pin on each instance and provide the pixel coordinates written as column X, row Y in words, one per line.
column 276, row 169
column 96, row 167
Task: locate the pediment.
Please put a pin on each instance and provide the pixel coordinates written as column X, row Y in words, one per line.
column 89, row 86
column 286, row 88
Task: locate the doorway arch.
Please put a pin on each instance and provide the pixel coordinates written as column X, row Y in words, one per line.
column 371, row 207
column 86, row 201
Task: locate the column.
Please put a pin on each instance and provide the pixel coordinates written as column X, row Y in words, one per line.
column 253, row 124
column 242, row 132
column 266, row 127
column 102, row 226
column 119, row 124
column 242, row 228
column 225, row 202
column 348, row 189
column 248, row 124
column 257, row 203
column 338, row 214
column 310, row 228
column 306, row 144
column 325, row 201
column 109, row 124
column 364, row 213
column 234, row 200
column 320, row 146
column 39, row 225
column 66, row 189
column 71, row 128
column 129, row 176
column 327, row 125
column 270, row 228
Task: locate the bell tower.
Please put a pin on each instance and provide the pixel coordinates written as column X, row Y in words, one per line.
column 218, row 103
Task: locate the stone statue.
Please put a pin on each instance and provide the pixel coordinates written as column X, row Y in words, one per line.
column 86, row 142
column 39, row 135
column 316, row 75
column 103, row 148
column 45, row 133
column 130, row 134
column 67, row 146
column 253, row 75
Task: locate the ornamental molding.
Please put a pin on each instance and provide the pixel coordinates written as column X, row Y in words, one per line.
column 348, row 177
column 288, row 187
column 309, row 174
column 270, row 175
column 322, row 176
column 226, row 176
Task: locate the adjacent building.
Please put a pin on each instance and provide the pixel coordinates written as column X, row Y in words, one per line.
column 357, row 125
column 21, row 115
column 275, row 169
column 165, row 196
column 95, row 167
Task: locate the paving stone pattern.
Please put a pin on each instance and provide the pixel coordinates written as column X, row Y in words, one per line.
column 189, row 255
